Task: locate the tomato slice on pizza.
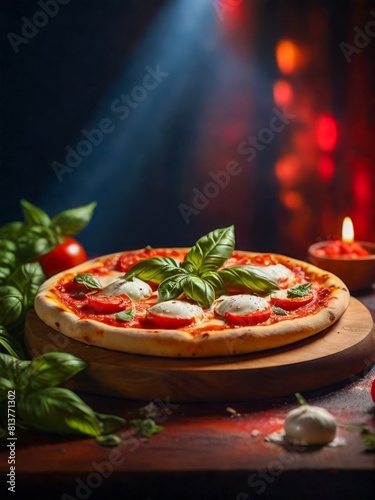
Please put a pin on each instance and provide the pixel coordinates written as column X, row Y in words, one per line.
column 207, row 300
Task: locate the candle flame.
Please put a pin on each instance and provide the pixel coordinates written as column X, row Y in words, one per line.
column 347, row 230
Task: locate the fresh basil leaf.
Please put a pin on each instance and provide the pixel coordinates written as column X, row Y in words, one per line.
column 110, row 440
column 212, row 250
column 53, row 368
column 11, row 229
column 198, row 290
column 14, row 370
column 8, row 258
column 9, row 344
column 27, row 278
column 34, row 216
column 214, row 279
column 89, row 280
column 154, row 270
column 7, row 245
column 36, row 241
column 170, row 288
column 146, row 427
column 127, row 315
column 73, row 220
column 279, row 310
column 11, row 304
column 243, row 278
column 59, row 410
column 189, row 267
column 4, row 274
column 109, row 423
column 299, row 291
column 5, row 386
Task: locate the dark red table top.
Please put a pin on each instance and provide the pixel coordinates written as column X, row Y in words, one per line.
column 205, row 452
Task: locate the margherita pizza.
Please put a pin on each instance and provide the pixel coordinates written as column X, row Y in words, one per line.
column 204, row 301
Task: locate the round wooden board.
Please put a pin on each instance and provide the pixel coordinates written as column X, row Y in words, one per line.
column 336, row 354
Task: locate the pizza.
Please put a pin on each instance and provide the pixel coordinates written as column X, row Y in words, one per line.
column 204, row 301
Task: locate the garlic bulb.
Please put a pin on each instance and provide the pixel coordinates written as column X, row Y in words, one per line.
column 309, row 425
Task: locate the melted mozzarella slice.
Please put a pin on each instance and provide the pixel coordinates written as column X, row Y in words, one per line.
column 280, row 294
column 278, row 272
column 135, row 289
column 177, row 309
column 241, row 304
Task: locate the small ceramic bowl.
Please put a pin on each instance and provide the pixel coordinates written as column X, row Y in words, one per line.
column 358, row 274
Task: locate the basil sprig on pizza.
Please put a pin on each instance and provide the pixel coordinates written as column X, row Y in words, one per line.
column 199, row 276
column 203, row 301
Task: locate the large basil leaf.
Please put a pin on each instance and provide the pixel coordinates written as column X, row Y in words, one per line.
column 11, row 304
column 243, row 278
column 53, row 368
column 171, row 288
column 14, row 370
column 214, row 279
column 154, row 270
column 34, row 215
column 212, row 250
column 56, row 409
column 9, row 344
column 188, row 267
column 198, row 290
column 27, row 278
column 5, row 386
column 73, row 220
column 35, row 241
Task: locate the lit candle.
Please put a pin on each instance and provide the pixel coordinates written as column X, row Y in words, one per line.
column 347, row 233
column 346, row 248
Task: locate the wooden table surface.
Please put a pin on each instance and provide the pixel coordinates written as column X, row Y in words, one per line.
column 204, row 452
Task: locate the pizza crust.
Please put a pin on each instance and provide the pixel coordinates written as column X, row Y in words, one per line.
column 179, row 343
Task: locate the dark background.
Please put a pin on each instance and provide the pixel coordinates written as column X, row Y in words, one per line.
column 218, row 91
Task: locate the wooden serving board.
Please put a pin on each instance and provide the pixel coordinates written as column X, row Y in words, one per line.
column 338, row 353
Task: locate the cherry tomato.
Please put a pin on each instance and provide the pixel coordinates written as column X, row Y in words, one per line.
column 67, row 254
column 128, row 260
column 289, row 304
column 248, row 319
column 164, row 321
column 373, row 390
column 107, row 304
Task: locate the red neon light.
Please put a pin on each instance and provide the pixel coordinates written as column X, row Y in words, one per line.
column 326, row 133
column 326, row 168
column 282, row 93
